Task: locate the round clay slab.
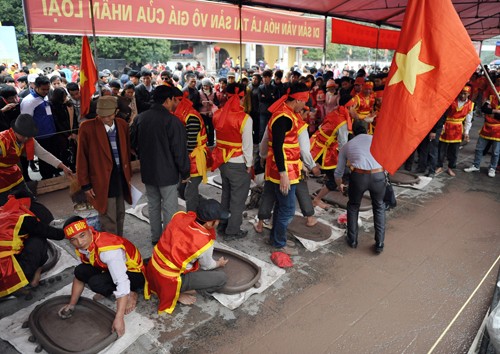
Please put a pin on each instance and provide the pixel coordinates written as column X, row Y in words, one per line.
column 145, row 211
column 337, row 198
column 54, row 254
column 318, row 232
column 87, row 331
column 404, row 177
column 242, row 273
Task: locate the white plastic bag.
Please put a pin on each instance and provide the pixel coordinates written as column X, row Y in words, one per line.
column 493, row 327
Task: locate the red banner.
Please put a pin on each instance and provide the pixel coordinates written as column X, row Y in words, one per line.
column 346, row 32
column 174, row 19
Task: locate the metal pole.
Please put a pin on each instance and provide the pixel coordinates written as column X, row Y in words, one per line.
column 94, row 41
column 241, row 40
column 492, row 85
column 324, row 41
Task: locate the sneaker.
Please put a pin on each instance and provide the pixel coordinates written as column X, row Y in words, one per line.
column 491, row 172
column 236, row 236
column 471, row 169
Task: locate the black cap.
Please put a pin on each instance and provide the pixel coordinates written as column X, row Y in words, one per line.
column 210, row 210
column 25, row 125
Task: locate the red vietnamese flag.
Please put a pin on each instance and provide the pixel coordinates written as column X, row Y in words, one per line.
column 88, row 77
column 434, row 59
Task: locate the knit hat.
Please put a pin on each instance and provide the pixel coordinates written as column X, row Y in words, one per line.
column 106, row 106
column 330, row 83
column 25, row 125
column 206, row 82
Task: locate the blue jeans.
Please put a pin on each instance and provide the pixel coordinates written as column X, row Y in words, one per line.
column 162, row 204
column 481, row 144
column 284, row 209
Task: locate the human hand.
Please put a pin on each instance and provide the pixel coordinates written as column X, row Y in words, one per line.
column 316, row 170
column 432, row 136
column 9, row 106
column 187, row 180
column 66, row 311
column 466, row 138
column 90, row 193
column 341, row 188
column 284, row 183
column 222, row 262
column 67, row 171
column 118, row 326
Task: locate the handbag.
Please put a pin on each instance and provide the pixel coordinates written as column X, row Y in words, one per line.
column 389, row 197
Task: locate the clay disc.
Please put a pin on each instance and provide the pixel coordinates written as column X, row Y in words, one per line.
column 318, row 232
column 242, row 274
column 54, row 255
column 87, row 331
column 145, row 211
column 404, row 177
column 218, row 180
column 337, row 198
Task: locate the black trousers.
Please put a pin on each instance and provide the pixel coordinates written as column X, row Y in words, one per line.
column 51, row 145
column 359, row 183
column 209, row 126
column 450, row 151
column 101, row 282
column 33, row 256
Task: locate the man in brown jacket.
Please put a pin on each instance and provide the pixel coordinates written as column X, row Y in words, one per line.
column 103, row 164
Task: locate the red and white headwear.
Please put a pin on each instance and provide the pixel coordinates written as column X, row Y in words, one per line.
column 466, row 89
column 75, row 228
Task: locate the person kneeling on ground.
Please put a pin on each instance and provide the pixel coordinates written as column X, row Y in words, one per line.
column 182, row 260
column 24, row 232
column 111, row 265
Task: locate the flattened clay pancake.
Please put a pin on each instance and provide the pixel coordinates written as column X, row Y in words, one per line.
column 242, row 274
column 337, row 198
column 318, row 232
column 87, row 331
column 404, row 177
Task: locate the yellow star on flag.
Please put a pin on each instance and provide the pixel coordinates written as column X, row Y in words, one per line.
column 83, row 78
column 409, row 66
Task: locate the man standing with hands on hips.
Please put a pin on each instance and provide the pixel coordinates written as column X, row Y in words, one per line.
column 366, row 174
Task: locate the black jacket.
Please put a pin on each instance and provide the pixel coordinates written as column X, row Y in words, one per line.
column 143, row 98
column 268, row 94
column 160, row 139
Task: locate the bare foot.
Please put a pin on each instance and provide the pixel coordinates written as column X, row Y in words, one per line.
column 98, row 297
column 259, row 226
column 190, row 292
column 311, row 221
column 321, row 204
column 451, row 173
column 186, row 299
column 36, row 278
column 131, row 302
column 439, row 170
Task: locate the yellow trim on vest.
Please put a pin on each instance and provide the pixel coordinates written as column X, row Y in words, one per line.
column 12, row 185
column 201, row 162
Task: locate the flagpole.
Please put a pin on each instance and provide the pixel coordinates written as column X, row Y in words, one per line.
column 492, row 85
column 94, row 41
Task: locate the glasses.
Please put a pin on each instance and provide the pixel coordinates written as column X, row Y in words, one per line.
column 164, row 78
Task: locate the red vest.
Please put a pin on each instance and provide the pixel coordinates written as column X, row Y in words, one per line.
column 363, row 106
column 229, row 129
column 199, row 156
column 104, row 241
column 491, row 127
column 453, row 127
column 12, row 215
column 291, row 148
column 183, row 241
column 10, row 173
column 324, row 142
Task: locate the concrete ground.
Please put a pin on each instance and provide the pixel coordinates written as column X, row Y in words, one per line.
column 440, row 244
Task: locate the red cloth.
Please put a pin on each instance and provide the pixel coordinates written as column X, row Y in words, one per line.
column 88, row 77
column 182, row 242
column 431, row 31
column 10, row 173
column 12, row 277
column 281, row 259
column 453, row 127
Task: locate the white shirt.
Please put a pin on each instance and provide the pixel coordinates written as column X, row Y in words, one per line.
column 115, row 260
column 246, row 145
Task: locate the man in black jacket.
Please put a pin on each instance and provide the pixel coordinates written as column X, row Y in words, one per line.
column 268, row 94
column 159, row 137
column 143, row 92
